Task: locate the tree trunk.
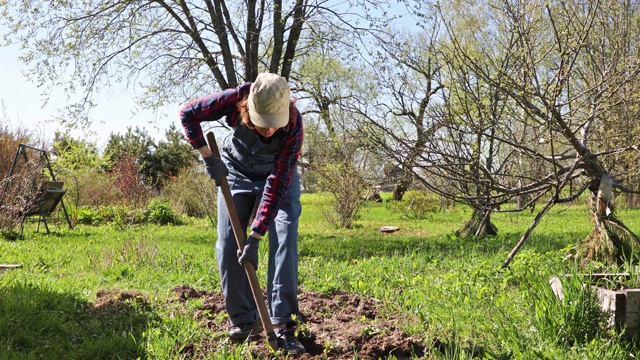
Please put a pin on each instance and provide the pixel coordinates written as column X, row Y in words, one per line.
column 479, row 225
column 399, row 190
column 403, row 184
column 610, row 241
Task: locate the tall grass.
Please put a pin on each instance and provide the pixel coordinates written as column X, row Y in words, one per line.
column 445, row 289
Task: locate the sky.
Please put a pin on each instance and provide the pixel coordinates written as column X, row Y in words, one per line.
column 23, row 107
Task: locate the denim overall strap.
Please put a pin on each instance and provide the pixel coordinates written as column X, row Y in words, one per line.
column 246, row 153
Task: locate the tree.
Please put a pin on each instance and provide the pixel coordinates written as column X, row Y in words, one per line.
column 395, row 118
column 332, row 160
column 565, row 89
column 325, row 83
column 156, row 162
column 436, row 119
column 527, row 95
column 169, row 158
column 74, row 154
column 167, row 51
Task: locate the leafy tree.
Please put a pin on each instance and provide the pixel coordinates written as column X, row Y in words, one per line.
column 155, row 162
column 169, row 158
column 74, row 154
column 168, row 50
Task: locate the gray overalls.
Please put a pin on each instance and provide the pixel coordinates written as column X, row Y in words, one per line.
column 250, row 161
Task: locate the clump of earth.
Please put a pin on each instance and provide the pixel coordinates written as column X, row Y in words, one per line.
column 334, row 326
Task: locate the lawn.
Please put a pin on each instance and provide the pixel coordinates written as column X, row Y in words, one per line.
column 110, row 292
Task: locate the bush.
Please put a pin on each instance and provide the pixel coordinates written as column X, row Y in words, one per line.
column 16, row 191
column 89, row 216
column 192, row 193
column 100, row 215
column 416, row 204
column 94, row 188
column 125, row 177
column 347, row 189
column 157, row 213
column 160, row 213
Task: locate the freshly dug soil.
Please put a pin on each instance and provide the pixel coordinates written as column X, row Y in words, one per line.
column 335, row 326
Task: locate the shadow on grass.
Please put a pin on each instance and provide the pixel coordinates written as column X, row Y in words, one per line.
column 37, row 322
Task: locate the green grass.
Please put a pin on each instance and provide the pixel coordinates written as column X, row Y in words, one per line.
column 443, row 287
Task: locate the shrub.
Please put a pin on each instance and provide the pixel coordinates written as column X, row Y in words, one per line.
column 88, row 216
column 94, row 188
column 126, row 178
column 160, row 213
column 416, row 204
column 347, row 189
column 192, row 193
column 157, row 213
column 16, row 190
column 100, row 215
column 118, row 214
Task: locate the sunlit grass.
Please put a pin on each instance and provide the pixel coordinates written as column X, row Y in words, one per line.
column 442, row 286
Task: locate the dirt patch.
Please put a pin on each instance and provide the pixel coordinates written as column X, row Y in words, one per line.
column 115, row 301
column 335, row 326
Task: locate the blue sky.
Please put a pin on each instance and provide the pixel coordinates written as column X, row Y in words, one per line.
column 24, row 107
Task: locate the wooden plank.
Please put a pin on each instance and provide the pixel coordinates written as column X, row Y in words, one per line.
column 4, row 267
column 610, row 276
column 611, row 305
column 633, row 300
column 556, row 286
column 632, row 321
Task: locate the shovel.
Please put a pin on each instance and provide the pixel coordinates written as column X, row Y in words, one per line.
column 240, row 240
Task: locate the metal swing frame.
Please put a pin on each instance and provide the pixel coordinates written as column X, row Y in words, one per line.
column 46, row 196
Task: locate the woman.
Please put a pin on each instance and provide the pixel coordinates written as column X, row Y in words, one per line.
column 259, row 159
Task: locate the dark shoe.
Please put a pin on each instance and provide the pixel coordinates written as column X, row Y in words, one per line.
column 287, row 342
column 242, row 331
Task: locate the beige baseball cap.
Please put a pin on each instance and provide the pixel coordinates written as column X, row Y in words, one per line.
column 269, row 99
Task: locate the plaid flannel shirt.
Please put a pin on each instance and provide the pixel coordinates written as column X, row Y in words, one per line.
column 224, row 104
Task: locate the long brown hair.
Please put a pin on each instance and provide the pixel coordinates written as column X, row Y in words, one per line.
column 243, row 109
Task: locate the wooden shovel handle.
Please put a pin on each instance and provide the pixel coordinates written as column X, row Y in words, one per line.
column 240, row 240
